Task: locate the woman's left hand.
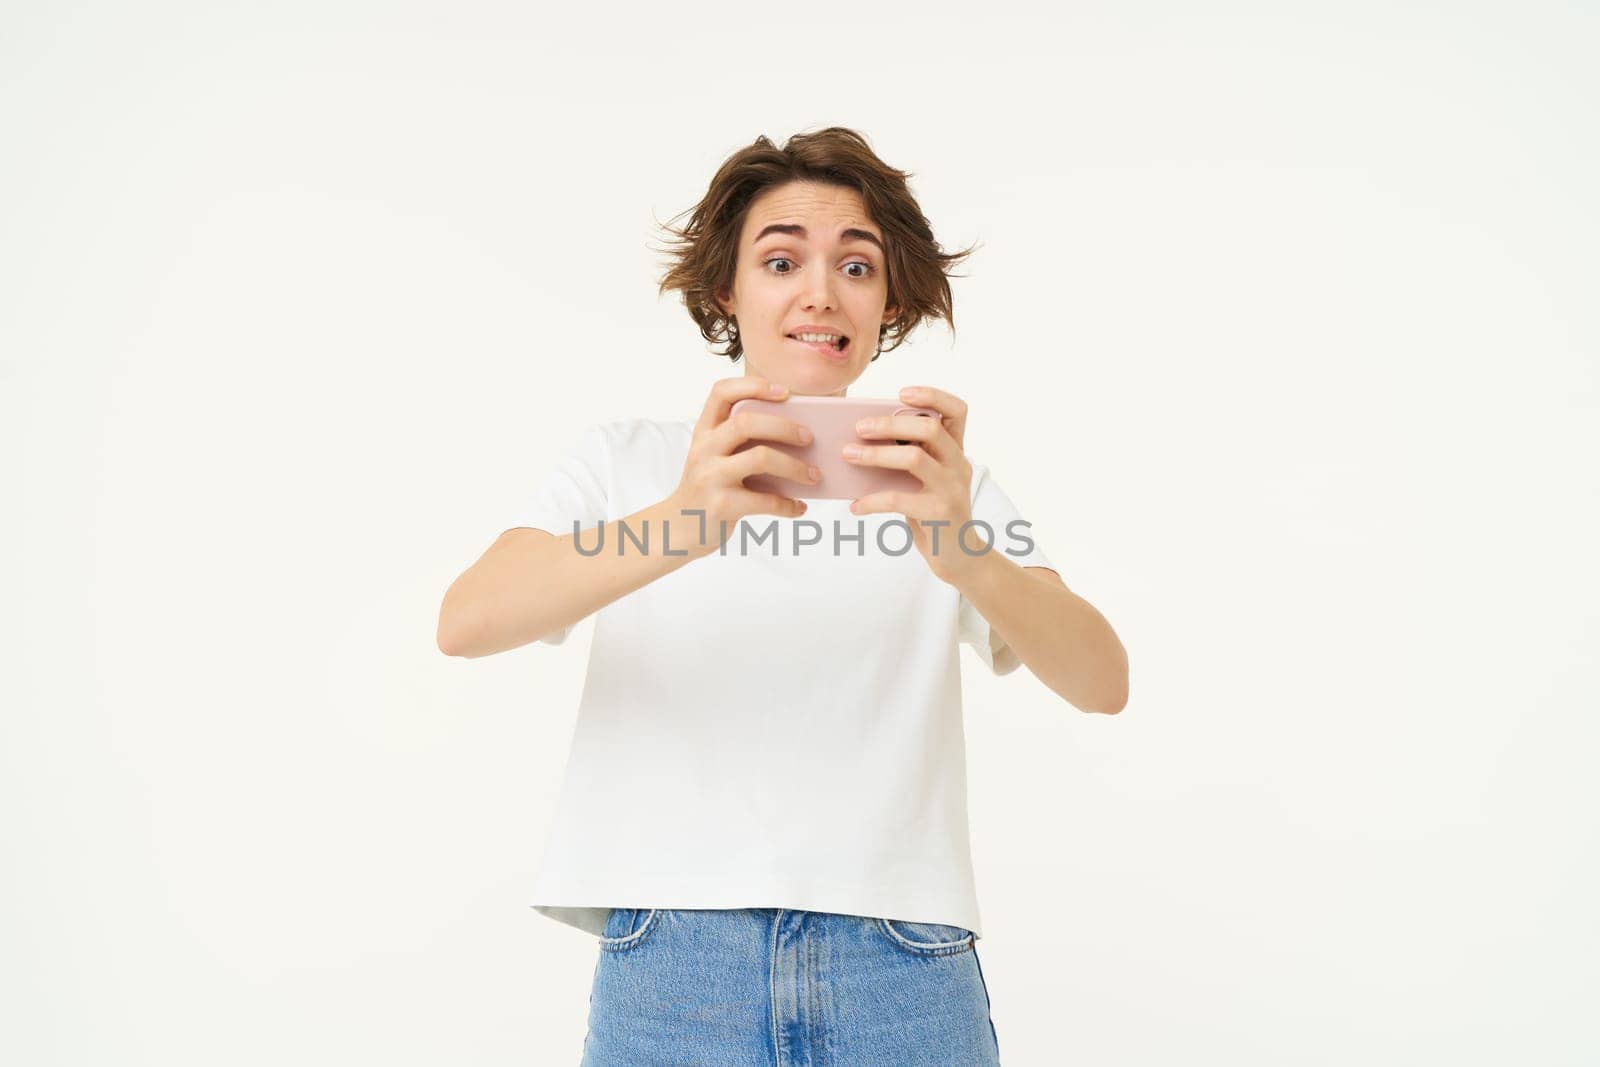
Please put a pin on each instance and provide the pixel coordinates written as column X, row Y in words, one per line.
column 936, row 458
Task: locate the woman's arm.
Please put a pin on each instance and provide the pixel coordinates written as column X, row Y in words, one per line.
column 1063, row 640
column 531, row 583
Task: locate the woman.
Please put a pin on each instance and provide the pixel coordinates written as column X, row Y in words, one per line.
column 763, row 817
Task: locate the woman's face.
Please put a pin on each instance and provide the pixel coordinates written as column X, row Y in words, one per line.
column 809, row 257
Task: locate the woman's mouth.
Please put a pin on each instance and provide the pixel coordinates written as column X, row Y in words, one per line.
column 833, row 350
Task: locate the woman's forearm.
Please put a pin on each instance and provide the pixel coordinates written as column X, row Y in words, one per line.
column 1058, row 635
column 531, row 583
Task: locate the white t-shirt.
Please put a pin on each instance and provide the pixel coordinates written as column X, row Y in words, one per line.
column 772, row 725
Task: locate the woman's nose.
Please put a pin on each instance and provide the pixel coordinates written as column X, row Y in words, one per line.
column 820, row 293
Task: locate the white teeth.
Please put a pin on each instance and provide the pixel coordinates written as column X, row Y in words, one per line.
column 829, row 338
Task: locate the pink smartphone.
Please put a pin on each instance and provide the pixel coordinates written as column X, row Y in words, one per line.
column 832, row 422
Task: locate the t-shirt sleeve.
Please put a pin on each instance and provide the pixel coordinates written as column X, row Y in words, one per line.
column 991, row 505
column 574, row 489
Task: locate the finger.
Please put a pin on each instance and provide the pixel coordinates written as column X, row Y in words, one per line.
column 728, row 391
column 764, row 459
column 911, row 458
column 774, row 503
column 919, row 508
column 951, row 407
column 935, row 439
column 885, row 500
column 748, row 425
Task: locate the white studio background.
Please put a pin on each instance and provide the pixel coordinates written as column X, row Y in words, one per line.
column 1281, row 332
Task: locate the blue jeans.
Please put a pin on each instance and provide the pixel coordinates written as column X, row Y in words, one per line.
column 765, row 987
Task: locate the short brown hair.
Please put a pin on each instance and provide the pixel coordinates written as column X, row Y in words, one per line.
column 707, row 251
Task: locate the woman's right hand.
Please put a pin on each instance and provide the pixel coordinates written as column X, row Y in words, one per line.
column 713, row 475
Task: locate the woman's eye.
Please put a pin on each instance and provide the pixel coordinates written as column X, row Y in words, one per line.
column 867, row 269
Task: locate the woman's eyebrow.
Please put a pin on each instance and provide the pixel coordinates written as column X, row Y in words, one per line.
column 796, row 230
